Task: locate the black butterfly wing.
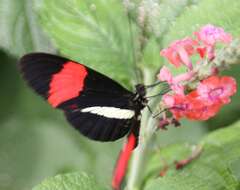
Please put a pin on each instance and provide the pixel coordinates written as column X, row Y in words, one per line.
column 99, row 127
column 94, row 104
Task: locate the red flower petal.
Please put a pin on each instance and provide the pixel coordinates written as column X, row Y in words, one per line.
column 217, row 89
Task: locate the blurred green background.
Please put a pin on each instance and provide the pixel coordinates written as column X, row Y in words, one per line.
column 35, row 140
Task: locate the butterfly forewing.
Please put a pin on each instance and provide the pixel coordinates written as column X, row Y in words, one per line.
column 94, row 104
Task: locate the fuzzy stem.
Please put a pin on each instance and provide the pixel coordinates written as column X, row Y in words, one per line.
column 141, row 153
column 145, row 139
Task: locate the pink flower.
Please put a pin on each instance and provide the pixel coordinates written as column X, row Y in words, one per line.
column 177, row 88
column 175, row 82
column 177, row 105
column 168, row 100
column 204, row 102
column 165, row 75
column 179, row 52
column 198, row 109
column 202, row 51
column 211, row 93
column 190, row 106
column 210, row 34
column 217, row 89
column 184, row 77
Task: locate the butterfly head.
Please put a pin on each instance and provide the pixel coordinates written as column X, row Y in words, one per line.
column 140, row 95
column 140, row 90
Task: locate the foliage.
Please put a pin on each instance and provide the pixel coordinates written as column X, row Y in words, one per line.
column 20, row 31
column 216, row 168
column 205, row 13
column 91, row 33
column 37, row 143
column 72, row 181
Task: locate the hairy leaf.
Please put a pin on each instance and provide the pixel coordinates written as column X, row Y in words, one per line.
column 216, row 168
column 222, row 13
column 20, row 32
column 95, row 33
column 73, row 181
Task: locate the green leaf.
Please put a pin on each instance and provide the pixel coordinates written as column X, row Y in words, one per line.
column 95, row 33
column 72, row 181
column 198, row 15
column 218, row 12
column 32, row 149
column 9, row 86
column 20, row 32
column 188, row 132
column 151, row 58
column 216, row 168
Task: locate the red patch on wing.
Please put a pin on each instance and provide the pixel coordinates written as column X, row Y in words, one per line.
column 122, row 162
column 67, row 83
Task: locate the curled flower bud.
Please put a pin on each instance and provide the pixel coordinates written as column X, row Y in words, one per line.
column 163, row 123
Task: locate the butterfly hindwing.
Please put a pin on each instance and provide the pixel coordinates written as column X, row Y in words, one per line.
column 98, row 127
column 100, row 116
column 94, row 104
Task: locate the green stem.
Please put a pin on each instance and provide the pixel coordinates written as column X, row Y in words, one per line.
column 140, row 154
column 148, row 126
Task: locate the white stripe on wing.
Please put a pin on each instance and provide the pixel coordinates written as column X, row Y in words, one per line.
column 110, row 112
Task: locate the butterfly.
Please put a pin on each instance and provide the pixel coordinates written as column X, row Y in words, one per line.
column 97, row 106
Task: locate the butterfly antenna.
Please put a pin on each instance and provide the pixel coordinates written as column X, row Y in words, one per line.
column 160, row 94
column 149, row 109
column 157, row 114
column 155, row 84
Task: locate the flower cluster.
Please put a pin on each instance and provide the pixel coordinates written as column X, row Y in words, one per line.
column 199, row 93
